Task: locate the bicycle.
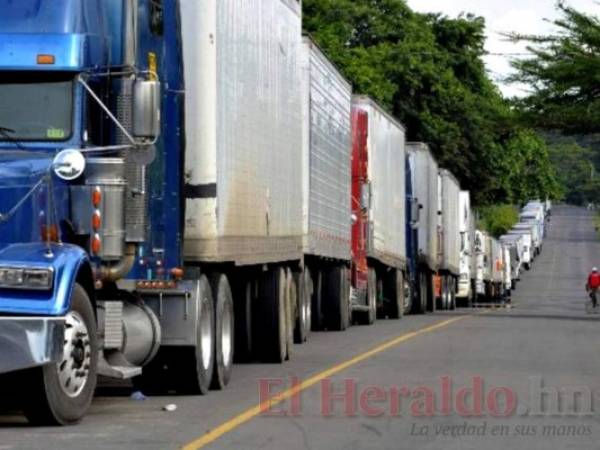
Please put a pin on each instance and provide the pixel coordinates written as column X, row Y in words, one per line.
column 589, row 304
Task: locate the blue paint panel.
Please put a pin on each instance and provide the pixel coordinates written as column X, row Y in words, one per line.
column 90, row 29
column 19, row 52
column 165, row 173
column 66, row 262
column 73, row 30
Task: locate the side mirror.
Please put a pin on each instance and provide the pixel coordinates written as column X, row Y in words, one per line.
column 146, row 109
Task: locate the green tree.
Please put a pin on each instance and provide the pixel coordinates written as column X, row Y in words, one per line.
column 428, row 71
column 498, row 219
column 576, row 172
column 564, row 74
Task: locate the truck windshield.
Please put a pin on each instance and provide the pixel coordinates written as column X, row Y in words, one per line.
column 36, row 107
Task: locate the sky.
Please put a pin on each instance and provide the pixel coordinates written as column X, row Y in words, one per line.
column 523, row 16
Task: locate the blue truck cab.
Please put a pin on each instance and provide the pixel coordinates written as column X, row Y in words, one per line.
column 91, row 101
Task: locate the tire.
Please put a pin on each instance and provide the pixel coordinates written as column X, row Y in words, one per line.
column 317, row 322
column 243, row 332
column 431, row 300
column 53, row 395
column 335, row 301
column 368, row 317
column 452, row 293
column 395, row 295
column 371, row 315
column 406, row 293
column 420, row 305
column 445, row 293
column 273, row 333
column 224, row 323
column 291, row 304
column 381, row 309
column 348, row 290
column 471, row 296
column 303, row 316
column 191, row 369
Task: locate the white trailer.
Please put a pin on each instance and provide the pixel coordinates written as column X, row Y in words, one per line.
column 536, row 240
column 386, row 248
column 536, row 215
column 527, row 246
column 515, row 244
column 243, row 159
column 426, row 179
column 326, row 192
column 483, row 275
column 450, row 261
column 387, row 159
column 243, row 131
column 467, row 236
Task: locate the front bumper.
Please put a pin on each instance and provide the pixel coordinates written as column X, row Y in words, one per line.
column 27, row 342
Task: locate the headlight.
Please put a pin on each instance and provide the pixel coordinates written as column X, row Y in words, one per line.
column 24, row 278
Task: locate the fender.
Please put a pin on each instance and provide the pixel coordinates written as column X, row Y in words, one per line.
column 66, row 260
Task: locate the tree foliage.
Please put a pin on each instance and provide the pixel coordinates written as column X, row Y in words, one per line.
column 576, row 172
column 498, row 219
column 428, row 71
column 564, row 74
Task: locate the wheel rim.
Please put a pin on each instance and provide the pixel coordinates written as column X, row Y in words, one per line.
column 227, row 335
column 206, row 335
column 74, row 369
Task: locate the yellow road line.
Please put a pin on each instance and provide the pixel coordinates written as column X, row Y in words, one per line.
column 255, row 411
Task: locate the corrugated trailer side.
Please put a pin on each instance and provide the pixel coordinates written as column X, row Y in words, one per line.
column 243, row 130
column 387, row 155
column 326, row 190
column 327, row 105
column 451, row 223
column 426, row 191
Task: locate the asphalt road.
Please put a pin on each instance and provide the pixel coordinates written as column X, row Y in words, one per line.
column 522, row 361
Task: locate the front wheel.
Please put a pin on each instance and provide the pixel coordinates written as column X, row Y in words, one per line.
column 61, row 393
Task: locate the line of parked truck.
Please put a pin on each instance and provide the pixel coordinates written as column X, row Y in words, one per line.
column 491, row 268
column 192, row 181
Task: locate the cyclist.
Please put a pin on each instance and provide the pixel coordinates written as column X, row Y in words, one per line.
column 593, row 284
